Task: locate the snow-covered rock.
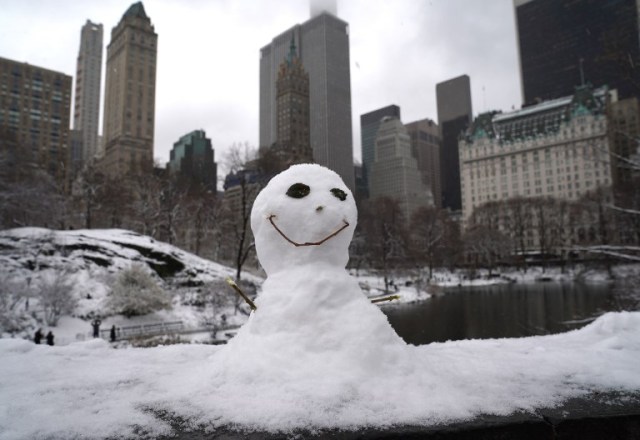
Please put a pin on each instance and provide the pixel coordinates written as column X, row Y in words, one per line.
column 90, row 260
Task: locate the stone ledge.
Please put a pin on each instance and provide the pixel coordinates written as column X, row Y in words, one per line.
column 599, row 416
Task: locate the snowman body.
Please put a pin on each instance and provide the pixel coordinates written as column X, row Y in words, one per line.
column 310, row 311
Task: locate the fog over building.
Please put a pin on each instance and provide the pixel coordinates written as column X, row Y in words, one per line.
column 323, row 48
column 317, row 7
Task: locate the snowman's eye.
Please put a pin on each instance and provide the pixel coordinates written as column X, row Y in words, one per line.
column 298, row 190
column 339, row 194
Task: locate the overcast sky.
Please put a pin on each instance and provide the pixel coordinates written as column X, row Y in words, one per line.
column 208, row 55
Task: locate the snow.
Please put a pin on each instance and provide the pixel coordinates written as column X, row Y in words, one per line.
column 315, row 354
column 89, row 389
column 91, row 259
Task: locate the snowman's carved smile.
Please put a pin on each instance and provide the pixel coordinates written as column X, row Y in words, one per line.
column 315, row 243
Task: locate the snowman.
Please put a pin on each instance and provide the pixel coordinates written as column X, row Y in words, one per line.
column 312, row 317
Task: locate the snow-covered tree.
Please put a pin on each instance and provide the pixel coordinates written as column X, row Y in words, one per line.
column 14, row 303
column 135, row 292
column 55, row 292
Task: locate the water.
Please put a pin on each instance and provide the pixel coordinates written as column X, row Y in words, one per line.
column 507, row 311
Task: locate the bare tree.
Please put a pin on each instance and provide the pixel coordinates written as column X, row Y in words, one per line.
column 242, row 185
column 55, row 292
column 385, row 230
column 205, row 208
column 146, row 202
column 89, row 195
column 485, row 246
column 427, row 232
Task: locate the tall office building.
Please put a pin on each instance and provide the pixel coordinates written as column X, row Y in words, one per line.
column 323, row 48
column 565, row 43
column 35, row 106
column 425, row 147
column 292, row 105
column 86, row 112
column 369, row 124
column 394, row 172
column 193, row 159
column 130, row 94
column 454, row 116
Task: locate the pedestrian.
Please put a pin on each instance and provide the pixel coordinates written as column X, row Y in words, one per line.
column 38, row 336
column 50, row 338
column 96, row 327
column 113, row 333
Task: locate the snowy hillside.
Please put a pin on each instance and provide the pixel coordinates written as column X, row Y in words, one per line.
column 90, row 260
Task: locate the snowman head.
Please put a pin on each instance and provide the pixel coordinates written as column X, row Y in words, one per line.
column 305, row 214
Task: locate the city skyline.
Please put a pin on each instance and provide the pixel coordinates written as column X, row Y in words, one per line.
column 220, row 42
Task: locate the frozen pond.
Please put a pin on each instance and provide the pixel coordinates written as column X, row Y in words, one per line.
column 507, row 311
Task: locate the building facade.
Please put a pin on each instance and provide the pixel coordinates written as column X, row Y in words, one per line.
column 425, row 147
column 394, row 172
column 130, row 91
column 566, row 43
column 292, row 108
column 453, row 98
column 369, row 124
column 193, row 159
column 323, row 48
column 86, row 111
column 35, row 107
column 554, row 152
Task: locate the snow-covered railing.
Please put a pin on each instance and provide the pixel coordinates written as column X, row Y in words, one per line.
column 156, row 328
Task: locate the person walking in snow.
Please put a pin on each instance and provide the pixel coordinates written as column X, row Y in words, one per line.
column 112, row 334
column 96, row 327
column 50, row 338
column 37, row 338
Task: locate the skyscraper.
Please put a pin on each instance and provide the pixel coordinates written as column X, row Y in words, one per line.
column 394, row 172
column 425, row 147
column 130, row 93
column 565, row 43
column 323, row 48
column 454, row 116
column 34, row 118
column 86, row 113
column 192, row 157
column 369, row 124
column 292, row 104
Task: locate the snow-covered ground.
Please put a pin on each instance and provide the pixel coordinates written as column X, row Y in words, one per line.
column 316, row 370
column 90, row 390
column 90, row 261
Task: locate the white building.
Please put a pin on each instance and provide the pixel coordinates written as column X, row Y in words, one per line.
column 394, row 172
column 559, row 148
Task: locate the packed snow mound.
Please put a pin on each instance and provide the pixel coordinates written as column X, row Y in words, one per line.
column 90, row 390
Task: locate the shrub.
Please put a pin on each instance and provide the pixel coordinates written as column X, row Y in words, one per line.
column 136, row 293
